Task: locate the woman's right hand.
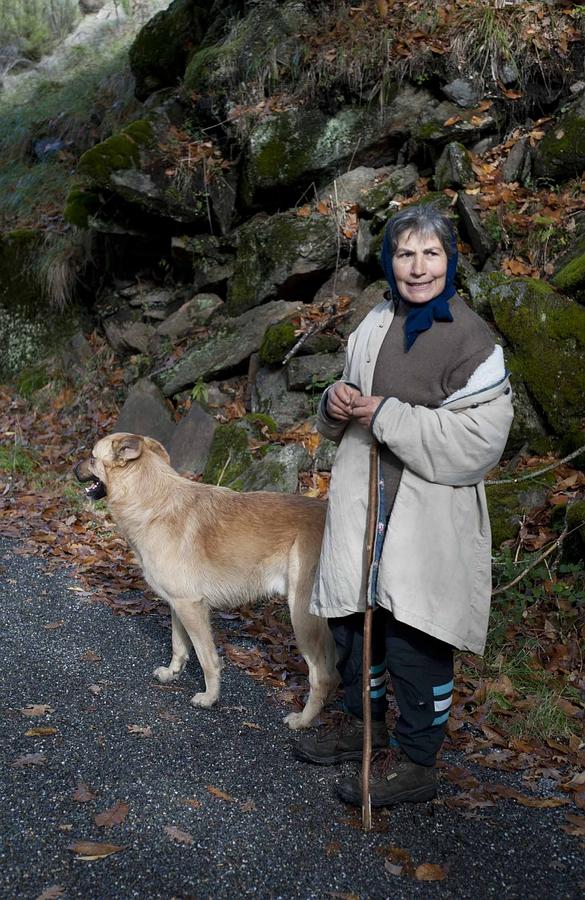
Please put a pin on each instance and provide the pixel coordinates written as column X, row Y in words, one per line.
column 340, row 398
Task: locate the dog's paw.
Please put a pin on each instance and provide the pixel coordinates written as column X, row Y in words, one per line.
column 204, row 700
column 294, row 721
column 164, row 674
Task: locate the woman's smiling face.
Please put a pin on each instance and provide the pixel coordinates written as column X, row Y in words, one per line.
column 420, row 266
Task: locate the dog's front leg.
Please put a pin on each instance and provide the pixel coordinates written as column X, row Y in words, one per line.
column 181, row 646
column 194, row 616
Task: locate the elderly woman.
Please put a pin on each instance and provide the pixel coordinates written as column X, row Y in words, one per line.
column 425, row 381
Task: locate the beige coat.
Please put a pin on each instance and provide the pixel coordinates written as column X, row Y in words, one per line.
column 435, row 567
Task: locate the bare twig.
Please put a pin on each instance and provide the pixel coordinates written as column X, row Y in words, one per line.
column 314, row 329
column 226, row 464
column 540, row 471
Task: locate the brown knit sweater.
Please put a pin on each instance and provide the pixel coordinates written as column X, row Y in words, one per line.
column 440, row 362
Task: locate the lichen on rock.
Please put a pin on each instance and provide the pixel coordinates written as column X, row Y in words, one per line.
column 547, row 334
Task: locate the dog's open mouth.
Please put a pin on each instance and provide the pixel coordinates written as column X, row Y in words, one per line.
column 94, row 489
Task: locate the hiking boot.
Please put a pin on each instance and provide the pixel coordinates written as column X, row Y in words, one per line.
column 339, row 742
column 394, row 779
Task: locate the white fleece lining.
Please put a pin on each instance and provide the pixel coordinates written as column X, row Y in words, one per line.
column 487, row 374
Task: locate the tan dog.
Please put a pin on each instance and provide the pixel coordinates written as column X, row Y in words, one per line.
column 203, row 547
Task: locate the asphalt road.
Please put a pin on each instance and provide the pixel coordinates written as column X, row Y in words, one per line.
column 279, row 833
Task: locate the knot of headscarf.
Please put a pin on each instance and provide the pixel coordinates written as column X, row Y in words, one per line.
column 421, row 316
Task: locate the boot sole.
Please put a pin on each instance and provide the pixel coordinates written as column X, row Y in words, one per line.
column 303, row 756
column 342, row 756
column 420, row 795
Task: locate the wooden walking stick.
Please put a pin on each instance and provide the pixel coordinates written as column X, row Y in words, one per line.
column 367, row 645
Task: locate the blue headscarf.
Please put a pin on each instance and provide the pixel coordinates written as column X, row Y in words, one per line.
column 422, row 315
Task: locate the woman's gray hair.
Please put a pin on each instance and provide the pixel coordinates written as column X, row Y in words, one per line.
column 423, row 219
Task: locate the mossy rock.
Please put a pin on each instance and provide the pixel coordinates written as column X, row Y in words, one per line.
column 570, row 279
column 159, row 54
column 560, row 155
column 507, row 503
column 453, row 168
column 200, row 70
column 229, row 456
column 120, row 151
column 299, row 146
column 80, row 205
column 547, row 334
column 278, row 340
column 576, row 519
column 275, row 254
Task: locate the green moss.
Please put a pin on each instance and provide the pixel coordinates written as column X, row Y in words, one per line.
column 561, row 153
column 576, row 518
column 79, row 206
column 572, row 275
column 201, row 66
column 276, row 343
column 429, row 131
column 260, row 422
column 229, row 456
column 160, row 52
column 120, row 151
column 141, row 132
column 547, row 333
column 268, row 250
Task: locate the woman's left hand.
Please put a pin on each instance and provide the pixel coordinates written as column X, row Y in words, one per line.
column 363, row 409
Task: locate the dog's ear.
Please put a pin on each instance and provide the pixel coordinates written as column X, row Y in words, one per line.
column 127, row 447
column 157, row 448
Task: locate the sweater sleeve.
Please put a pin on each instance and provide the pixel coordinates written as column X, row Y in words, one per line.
column 444, row 446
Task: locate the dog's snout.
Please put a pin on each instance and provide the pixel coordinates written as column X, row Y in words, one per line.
column 81, row 471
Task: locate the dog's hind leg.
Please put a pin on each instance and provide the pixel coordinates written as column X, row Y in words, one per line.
column 315, row 642
column 194, row 616
column 181, row 645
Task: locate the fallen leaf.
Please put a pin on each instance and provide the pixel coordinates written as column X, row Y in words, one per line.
column 576, row 825
column 252, row 725
column 51, row 893
column 112, row 816
column 430, row 872
column 95, row 689
column 194, row 804
column 248, row 806
column 220, row 794
column 51, row 625
column 90, row 850
column 183, row 837
column 142, row 730
column 37, row 709
column 83, row 793
column 577, row 779
column 393, row 868
column 30, row 759
column 91, row 656
column 41, row 731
